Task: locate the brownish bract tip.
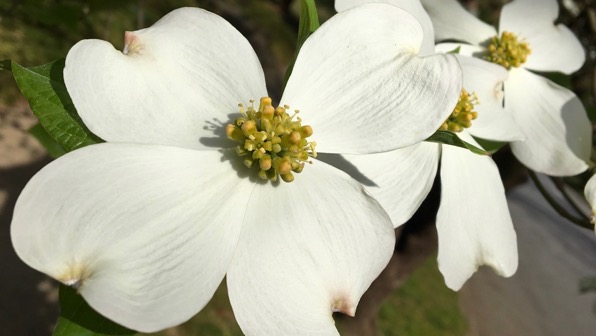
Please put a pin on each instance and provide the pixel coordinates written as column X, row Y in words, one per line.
column 344, row 306
column 131, row 43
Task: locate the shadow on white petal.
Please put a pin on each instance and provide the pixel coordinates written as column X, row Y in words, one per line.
column 553, row 120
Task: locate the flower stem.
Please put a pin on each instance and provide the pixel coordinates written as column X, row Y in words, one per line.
column 560, row 184
column 585, row 223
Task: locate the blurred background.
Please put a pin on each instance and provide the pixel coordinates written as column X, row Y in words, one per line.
column 553, row 292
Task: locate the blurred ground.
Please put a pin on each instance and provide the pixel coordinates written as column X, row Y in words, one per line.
column 27, row 298
column 543, row 297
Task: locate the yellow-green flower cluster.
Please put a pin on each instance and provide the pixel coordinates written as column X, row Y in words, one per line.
column 462, row 114
column 508, row 50
column 272, row 139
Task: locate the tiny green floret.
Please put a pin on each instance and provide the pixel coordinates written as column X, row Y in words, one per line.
column 462, row 114
column 272, row 140
column 508, row 50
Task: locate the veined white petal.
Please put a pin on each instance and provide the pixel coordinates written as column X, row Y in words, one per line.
column 414, row 7
column 452, row 22
column 554, row 122
column 486, row 80
column 306, row 250
column 590, row 193
column 146, row 232
column 473, row 221
column 400, row 179
column 178, row 81
column 554, row 47
column 358, row 77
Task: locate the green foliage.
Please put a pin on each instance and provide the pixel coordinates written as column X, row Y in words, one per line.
column 591, row 113
column 559, row 78
column 54, row 149
column 44, row 88
column 455, row 51
column 422, row 306
column 450, row 138
column 5, row 65
column 309, row 22
column 489, row 145
column 77, row 318
column 215, row 319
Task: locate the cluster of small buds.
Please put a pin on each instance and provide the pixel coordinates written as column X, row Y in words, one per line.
column 462, row 114
column 508, row 50
column 272, row 139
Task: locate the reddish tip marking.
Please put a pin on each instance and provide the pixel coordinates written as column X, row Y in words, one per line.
column 128, row 38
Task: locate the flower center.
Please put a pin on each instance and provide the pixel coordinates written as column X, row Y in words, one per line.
column 462, row 114
column 272, row 140
column 508, row 51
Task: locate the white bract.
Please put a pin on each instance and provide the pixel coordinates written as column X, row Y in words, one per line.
column 590, row 194
column 147, row 224
column 473, row 222
column 557, row 133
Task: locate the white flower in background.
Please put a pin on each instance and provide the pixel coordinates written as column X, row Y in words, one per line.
column 147, row 224
column 590, row 193
column 473, row 222
column 557, row 132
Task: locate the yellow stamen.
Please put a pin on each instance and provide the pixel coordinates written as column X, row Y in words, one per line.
column 462, row 114
column 273, row 139
column 508, row 50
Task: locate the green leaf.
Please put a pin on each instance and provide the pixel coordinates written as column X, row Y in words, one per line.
column 77, row 318
column 53, row 148
column 309, row 22
column 5, row 65
column 44, row 88
column 559, row 78
column 489, row 145
column 455, row 51
column 450, row 138
column 591, row 113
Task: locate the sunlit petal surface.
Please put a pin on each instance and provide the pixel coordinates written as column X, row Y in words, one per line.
column 305, row 252
column 145, row 232
column 486, row 79
column 473, row 222
column 414, row 7
column 178, row 79
column 554, row 47
column 361, row 85
column 452, row 22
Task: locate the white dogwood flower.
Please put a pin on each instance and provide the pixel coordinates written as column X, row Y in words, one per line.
column 187, row 190
column 557, row 132
column 474, row 224
column 590, row 194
